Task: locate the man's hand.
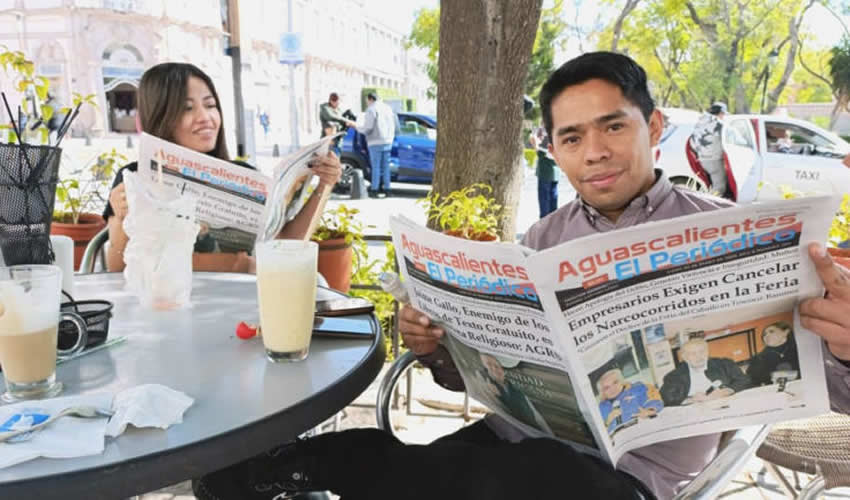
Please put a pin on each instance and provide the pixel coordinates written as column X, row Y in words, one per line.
column 118, row 200
column 699, row 397
column 719, row 393
column 846, row 161
column 827, row 316
column 616, row 412
column 328, row 168
column 646, row 412
column 417, row 332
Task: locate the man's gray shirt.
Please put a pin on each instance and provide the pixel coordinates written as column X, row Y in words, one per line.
column 666, row 466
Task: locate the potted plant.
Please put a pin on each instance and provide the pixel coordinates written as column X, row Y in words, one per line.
column 340, row 239
column 79, row 198
column 838, row 241
column 468, row 213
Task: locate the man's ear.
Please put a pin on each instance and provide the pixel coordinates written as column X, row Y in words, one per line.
column 656, row 127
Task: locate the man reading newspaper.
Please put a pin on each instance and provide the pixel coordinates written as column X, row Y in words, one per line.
column 603, row 123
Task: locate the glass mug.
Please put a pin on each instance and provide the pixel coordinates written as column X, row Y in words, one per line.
column 29, row 321
column 286, row 291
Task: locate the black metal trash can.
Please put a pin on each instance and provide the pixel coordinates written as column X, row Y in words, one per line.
column 28, row 177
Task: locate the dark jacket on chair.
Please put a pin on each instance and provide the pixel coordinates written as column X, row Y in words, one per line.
column 677, row 384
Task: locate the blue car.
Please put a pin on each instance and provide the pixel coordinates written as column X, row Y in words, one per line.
column 412, row 156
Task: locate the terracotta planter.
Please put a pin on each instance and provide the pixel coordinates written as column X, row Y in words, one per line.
column 82, row 233
column 841, row 256
column 335, row 263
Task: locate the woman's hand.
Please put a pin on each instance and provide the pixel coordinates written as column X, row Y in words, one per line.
column 244, row 263
column 328, row 168
column 118, row 200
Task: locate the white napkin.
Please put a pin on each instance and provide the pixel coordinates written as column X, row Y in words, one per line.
column 149, row 405
column 66, row 437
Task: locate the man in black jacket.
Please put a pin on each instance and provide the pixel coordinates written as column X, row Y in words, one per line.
column 701, row 378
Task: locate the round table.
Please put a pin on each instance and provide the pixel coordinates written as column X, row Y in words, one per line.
column 244, row 404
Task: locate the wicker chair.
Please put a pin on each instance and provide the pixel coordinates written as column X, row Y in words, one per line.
column 819, row 445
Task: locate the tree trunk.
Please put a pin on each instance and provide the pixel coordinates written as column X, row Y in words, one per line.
column 833, row 116
column 794, row 37
column 485, row 48
column 618, row 25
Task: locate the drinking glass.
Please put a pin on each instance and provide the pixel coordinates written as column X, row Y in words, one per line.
column 29, row 320
column 286, row 289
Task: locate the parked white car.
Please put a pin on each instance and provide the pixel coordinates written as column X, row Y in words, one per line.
column 763, row 154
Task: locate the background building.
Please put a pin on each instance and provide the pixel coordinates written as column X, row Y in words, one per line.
column 102, row 47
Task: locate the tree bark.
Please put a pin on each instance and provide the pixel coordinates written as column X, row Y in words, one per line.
column 618, row 24
column 790, row 59
column 485, row 48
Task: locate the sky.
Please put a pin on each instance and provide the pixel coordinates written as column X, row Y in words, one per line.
column 400, row 14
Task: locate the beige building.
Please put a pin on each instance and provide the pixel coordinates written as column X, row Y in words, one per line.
column 102, row 47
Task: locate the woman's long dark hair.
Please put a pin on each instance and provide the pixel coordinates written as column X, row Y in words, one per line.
column 162, row 101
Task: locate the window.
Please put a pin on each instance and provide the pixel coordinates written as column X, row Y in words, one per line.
column 412, row 126
column 789, row 138
column 739, row 133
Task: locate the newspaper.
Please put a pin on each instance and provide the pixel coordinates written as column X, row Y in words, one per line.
column 231, row 199
column 623, row 339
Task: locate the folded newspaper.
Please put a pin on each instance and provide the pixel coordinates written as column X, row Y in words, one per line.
column 619, row 340
column 231, row 199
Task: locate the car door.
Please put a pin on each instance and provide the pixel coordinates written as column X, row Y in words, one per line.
column 416, row 142
column 803, row 159
column 739, row 148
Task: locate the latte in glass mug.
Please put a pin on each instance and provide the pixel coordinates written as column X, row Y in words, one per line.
column 29, row 320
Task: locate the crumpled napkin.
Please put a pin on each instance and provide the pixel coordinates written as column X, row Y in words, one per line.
column 148, row 405
column 65, row 438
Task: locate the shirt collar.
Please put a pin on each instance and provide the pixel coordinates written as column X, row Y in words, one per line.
column 648, row 201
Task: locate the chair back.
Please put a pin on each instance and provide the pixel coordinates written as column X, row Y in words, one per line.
column 95, row 251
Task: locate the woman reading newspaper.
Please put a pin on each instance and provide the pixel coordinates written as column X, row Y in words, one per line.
column 178, row 102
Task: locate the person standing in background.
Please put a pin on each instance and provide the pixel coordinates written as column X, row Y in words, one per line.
column 379, row 129
column 547, row 173
column 706, row 143
column 332, row 120
column 264, row 122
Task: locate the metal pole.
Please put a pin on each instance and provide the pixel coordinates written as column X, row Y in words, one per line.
column 235, row 51
column 292, row 101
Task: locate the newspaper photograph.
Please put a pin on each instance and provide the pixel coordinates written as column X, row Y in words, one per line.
column 688, row 326
column 231, row 199
column 479, row 292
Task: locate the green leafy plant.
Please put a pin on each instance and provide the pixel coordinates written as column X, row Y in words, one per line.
column 468, row 213
column 366, row 273
column 24, row 80
column 839, row 227
column 339, row 222
column 87, row 189
column 342, row 222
